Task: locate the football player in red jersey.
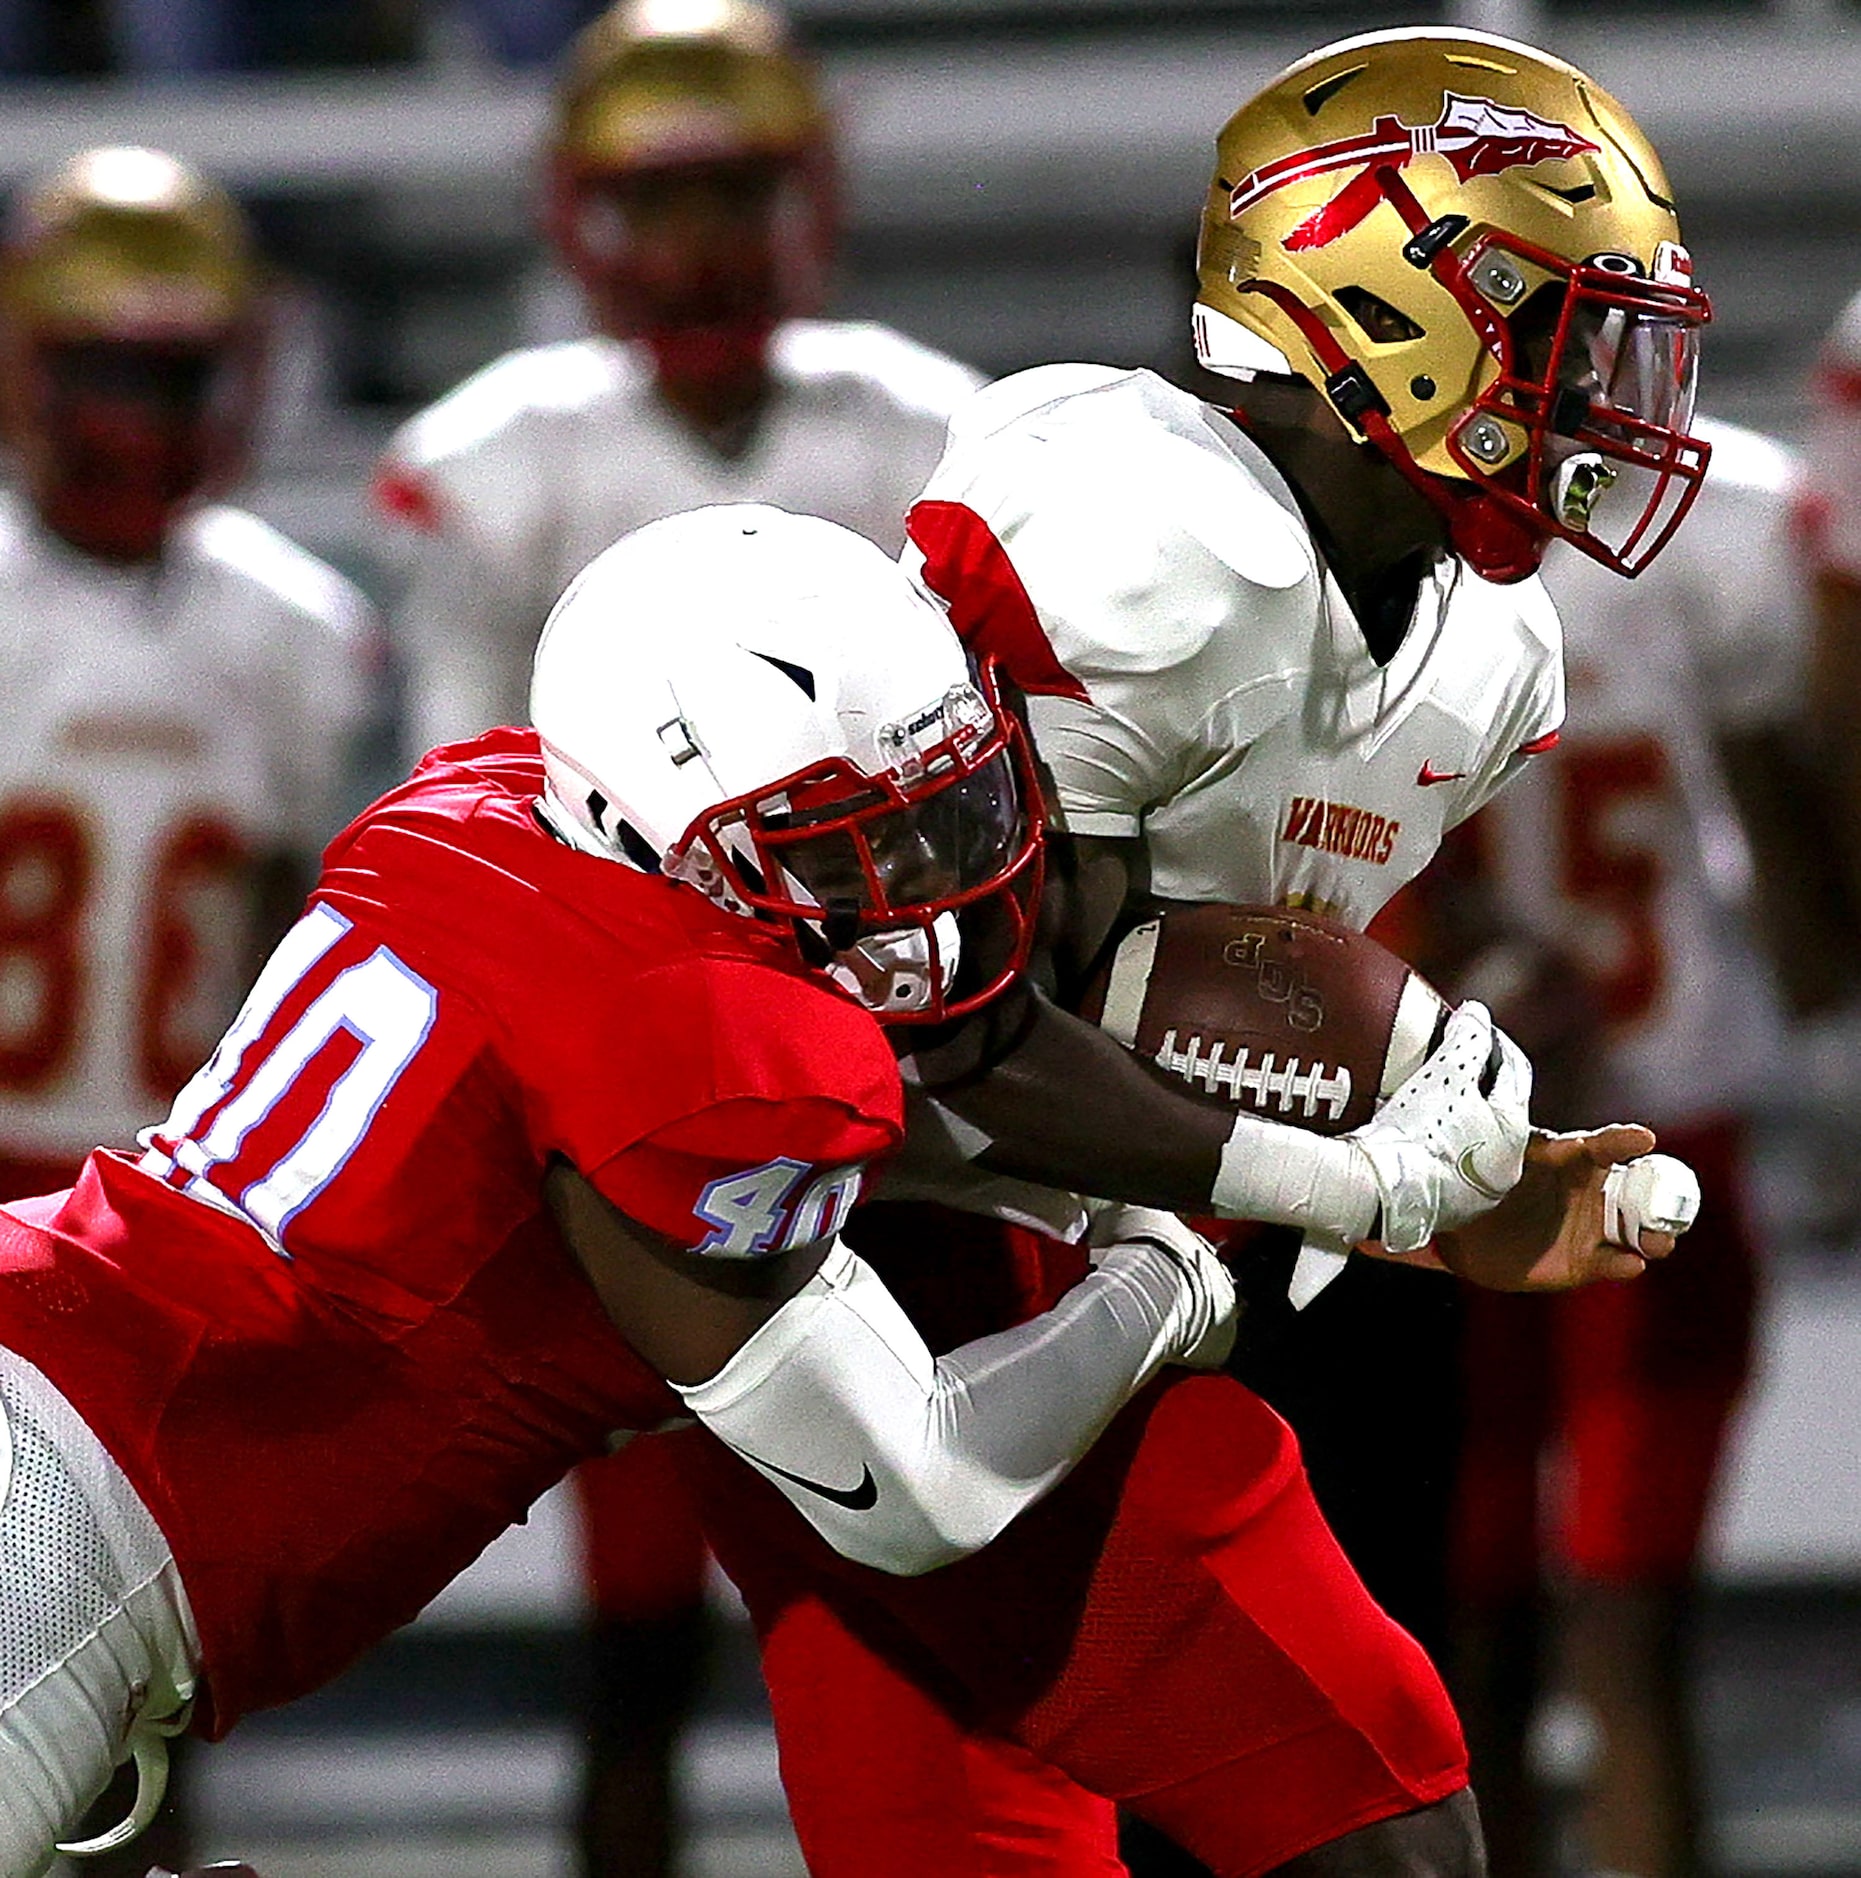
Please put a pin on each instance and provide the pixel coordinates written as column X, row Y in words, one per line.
column 1447, row 271
column 586, row 1020
column 265, row 1389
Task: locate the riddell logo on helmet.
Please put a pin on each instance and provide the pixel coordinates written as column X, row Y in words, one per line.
column 1476, row 135
column 1337, row 828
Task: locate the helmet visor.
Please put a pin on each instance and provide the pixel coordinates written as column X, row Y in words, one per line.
column 938, row 849
column 1618, row 466
column 951, row 825
column 1601, row 375
column 1639, row 365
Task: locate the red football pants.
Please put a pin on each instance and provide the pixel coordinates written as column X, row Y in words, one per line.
column 643, row 1551
column 1595, row 1420
column 1173, row 1628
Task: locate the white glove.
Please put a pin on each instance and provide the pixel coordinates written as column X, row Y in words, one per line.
column 1442, row 1152
column 1653, row 1192
column 1148, row 1246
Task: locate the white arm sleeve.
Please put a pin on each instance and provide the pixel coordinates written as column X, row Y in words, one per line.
column 906, row 1462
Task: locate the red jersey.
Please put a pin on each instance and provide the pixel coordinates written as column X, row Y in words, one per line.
column 326, row 1325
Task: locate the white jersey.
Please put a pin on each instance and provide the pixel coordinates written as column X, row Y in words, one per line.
column 1831, row 500
column 166, row 727
column 1623, row 846
column 1196, row 676
column 524, row 473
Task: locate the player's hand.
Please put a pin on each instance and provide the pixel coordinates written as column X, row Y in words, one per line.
column 1201, row 1327
column 1450, row 1143
column 1551, row 1232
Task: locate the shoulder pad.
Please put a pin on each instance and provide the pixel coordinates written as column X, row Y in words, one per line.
column 243, row 545
column 1137, row 529
column 1022, row 394
column 473, row 417
column 907, row 372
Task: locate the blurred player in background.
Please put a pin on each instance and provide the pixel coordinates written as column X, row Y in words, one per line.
column 1831, row 517
column 1270, row 660
column 182, row 683
column 692, row 197
column 1598, row 1421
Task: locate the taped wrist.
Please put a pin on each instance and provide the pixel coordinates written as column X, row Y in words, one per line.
column 905, row 1462
column 1287, row 1177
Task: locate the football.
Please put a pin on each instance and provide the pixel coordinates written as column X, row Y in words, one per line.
column 1286, row 1014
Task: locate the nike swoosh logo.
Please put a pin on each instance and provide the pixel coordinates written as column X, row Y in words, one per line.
column 1465, row 1165
column 854, row 1499
column 1429, row 774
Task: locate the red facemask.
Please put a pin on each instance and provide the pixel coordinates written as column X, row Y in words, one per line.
column 700, row 262
column 955, row 829
column 120, row 437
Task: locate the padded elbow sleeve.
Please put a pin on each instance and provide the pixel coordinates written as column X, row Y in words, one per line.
column 905, row 1462
column 833, row 1401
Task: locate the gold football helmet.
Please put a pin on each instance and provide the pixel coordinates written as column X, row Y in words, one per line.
column 1471, row 248
column 707, row 97
column 130, row 305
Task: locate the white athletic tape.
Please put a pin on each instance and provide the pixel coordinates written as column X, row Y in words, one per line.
column 1654, row 1193
column 1129, row 983
column 1318, row 1264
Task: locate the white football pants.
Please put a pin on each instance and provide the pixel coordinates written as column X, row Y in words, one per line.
column 97, row 1645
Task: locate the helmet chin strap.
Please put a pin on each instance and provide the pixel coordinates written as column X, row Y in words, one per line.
column 1489, row 538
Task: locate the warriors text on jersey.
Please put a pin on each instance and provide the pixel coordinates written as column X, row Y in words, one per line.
column 325, row 1325
column 1196, row 677
column 167, row 727
column 1624, row 846
column 528, row 470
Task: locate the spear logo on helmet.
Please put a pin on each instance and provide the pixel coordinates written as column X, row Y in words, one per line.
column 1477, row 136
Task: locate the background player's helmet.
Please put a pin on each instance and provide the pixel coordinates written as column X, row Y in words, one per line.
column 691, row 179
column 1472, row 250
column 130, row 356
column 762, row 705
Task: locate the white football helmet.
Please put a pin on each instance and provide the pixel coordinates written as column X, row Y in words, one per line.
column 760, row 704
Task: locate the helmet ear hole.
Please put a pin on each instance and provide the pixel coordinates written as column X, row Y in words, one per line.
column 1381, row 323
column 635, row 846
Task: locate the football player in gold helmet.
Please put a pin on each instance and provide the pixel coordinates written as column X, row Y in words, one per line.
column 1470, row 261
column 1447, row 271
column 129, row 347
column 692, row 192
column 183, row 685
